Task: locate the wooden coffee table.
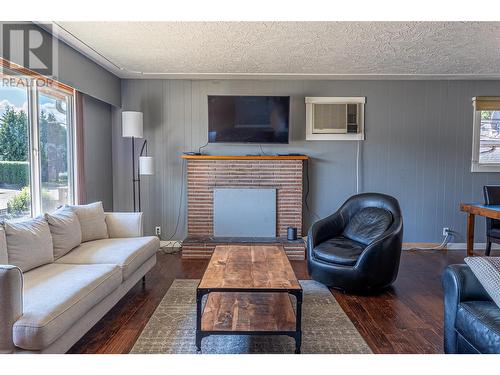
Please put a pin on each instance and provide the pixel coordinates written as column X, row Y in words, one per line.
column 249, row 291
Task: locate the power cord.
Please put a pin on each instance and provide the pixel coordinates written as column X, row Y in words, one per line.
column 441, row 246
column 358, row 153
column 262, row 151
column 179, row 210
column 205, row 145
column 307, row 193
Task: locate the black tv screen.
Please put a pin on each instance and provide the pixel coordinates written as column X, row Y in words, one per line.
column 248, row 119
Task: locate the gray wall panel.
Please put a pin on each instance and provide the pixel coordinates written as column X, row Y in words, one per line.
column 417, row 148
column 78, row 71
column 97, row 152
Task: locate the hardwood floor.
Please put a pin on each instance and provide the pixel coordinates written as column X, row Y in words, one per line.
column 407, row 318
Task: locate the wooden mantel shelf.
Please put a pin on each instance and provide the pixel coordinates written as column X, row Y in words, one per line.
column 245, row 157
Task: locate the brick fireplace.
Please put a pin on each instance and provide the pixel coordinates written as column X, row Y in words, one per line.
column 206, row 173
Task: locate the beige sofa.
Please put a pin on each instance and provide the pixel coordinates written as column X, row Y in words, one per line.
column 49, row 308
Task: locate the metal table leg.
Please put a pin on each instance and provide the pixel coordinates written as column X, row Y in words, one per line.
column 199, row 299
column 298, row 323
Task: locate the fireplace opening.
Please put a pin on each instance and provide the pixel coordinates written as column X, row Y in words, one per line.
column 247, row 212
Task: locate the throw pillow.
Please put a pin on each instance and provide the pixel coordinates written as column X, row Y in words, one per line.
column 65, row 229
column 487, row 271
column 29, row 243
column 92, row 221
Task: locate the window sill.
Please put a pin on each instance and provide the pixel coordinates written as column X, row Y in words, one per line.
column 336, row 137
column 477, row 167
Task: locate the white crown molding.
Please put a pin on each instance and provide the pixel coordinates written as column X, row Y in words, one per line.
column 65, row 36
column 124, row 73
column 299, row 76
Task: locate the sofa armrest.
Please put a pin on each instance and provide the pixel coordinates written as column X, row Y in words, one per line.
column 460, row 285
column 124, row 224
column 11, row 304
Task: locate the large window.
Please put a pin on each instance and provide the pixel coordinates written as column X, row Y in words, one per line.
column 36, row 147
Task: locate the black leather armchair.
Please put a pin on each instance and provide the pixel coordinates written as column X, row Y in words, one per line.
column 492, row 196
column 471, row 318
column 358, row 248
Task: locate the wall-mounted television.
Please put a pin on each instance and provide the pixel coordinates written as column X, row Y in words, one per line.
column 248, row 119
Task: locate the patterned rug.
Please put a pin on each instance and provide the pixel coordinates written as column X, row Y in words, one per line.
column 325, row 327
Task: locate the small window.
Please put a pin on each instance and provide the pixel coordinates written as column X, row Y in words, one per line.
column 334, row 118
column 486, row 134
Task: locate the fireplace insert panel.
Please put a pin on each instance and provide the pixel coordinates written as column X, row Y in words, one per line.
column 244, row 212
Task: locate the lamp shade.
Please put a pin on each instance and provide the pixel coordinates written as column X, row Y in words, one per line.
column 146, row 165
column 132, row 124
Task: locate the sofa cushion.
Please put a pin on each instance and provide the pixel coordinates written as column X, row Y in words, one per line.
column 487, row 271
column 29, row 243
column 128, row 253
column 57, row 295
column 92, row 221
column 339, row 250
column 479, row 323
column 65, row 229
column 3, row 247
column 367, row 224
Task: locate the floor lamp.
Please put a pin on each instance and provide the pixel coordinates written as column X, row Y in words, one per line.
column 146, row 168
column 132, row 127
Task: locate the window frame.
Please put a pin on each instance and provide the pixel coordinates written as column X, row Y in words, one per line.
column 476, row 166
column 32, row 89
column 311, row 101
column 70, row 99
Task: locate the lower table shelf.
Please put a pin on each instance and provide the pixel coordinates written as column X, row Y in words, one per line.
column 248, row 312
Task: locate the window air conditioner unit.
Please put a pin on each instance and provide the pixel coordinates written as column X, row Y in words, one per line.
column 335, row 118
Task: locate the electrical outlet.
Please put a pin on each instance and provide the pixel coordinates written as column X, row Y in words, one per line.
column 158, row 231
column 446, row 231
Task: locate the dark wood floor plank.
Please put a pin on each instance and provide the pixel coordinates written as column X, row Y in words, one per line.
column 406, row 318
column 364, row 323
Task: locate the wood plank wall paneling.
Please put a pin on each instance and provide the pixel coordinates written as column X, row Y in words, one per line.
column 417, row 147
column 97, row 154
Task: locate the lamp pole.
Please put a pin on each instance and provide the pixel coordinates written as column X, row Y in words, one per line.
column 132, row 126
column 144, row 145
column 133, row 174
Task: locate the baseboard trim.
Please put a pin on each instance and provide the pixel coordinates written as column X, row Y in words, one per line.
column 450, row 246
column 413, row 245
column 477, row 246
column 406, row 245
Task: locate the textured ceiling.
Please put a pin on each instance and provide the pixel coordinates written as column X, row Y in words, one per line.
column 232, row 49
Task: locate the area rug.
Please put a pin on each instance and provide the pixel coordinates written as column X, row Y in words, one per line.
column 325, row 327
